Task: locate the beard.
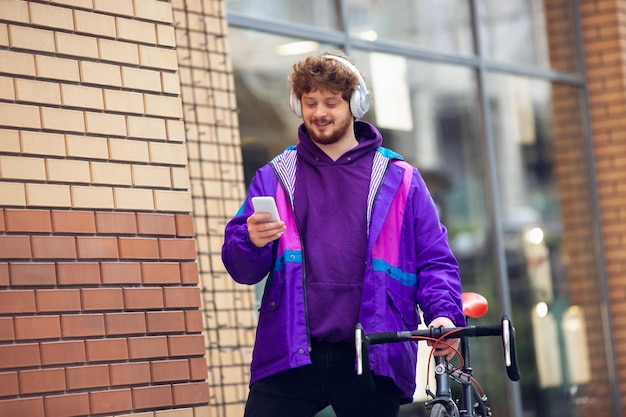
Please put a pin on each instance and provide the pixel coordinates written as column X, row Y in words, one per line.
column 331, row 136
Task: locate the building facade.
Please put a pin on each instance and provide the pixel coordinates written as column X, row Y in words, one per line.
column 129, row 131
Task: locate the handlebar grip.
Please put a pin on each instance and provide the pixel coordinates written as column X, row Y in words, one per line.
column 509, row 348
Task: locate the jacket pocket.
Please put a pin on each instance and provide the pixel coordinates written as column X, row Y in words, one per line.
column 405, row 308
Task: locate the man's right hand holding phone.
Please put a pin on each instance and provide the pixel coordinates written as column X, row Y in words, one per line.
column 262, row 232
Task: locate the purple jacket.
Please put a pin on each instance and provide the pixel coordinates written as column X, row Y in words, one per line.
column 409, row 263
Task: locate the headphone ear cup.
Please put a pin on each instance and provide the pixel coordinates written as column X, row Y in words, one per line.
column 295, row 104
column 359, row 102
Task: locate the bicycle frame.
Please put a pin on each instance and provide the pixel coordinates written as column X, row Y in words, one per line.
column 470, row 401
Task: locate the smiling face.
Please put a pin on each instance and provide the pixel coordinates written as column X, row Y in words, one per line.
column 326, row 116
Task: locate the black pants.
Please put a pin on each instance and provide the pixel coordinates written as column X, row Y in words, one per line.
column 331, row 380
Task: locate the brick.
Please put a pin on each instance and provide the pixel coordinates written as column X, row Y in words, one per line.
column 79, row 4
column 165, row 321
column 177, row 248
column 170, row 370
column 130, row 373
column 106, row 350
column 15, row 11
column 117, row 51
column 170, row 83
column 155, row 57
column 37, row 327
column 143, row 298
column 156, row 224
column 180, row 178
column 17, row 63
column 84, row 97
column 120, row 7
column 152, row 397
column 123, row 101
column 24, row 168
column 17, row 301
column 189, row 273
column 164, row 106
column 184, row 225
column 51, row 16
column 62, row 353
column 67, row 170
column 19, row 115
column 31, row 407
column 121, row 273
column 150, row 347
column 186, row 345
column 76, row 45
column 56, row 68
column 37, row 92
column 141, row 79
column 22, row 37
column 82, row 325
column 9, row 384
column 47, row 195
column 79, row 273
column 12, row 194
column 41, row 380
column 7, row 90
column 168, row 153
column 74, row 221
column 100, row 73
column 154, row 10
column 97, row 247
column 66, row 405
column 102, row 299
column 111, row 401
column 84, row 377
column 181, row 297
column 32, row 273
column 146, row 127
column 160, row 273
column 42, row 143
column 136, row 30
column 110, row 173
column 20, row 355
column 127, row 323
column 10, row 141
column 92, row 197
column 62, row 119
column 53, row 247
column 166, row 35
column 138, row 248
column 192, row 393
column 105, row 124
column 133, row 199
column 7, row 331
column 35, row 221
column 94, row 23
column 116, row 223
column 128, row 150
column 198, row 369
column 57, row 300
column 176, row 201
column 87, row 147
column 151, row 176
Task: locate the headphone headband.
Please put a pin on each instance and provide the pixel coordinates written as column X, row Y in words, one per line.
column 359, row 101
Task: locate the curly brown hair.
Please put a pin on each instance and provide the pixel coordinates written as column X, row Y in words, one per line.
column 319, row 73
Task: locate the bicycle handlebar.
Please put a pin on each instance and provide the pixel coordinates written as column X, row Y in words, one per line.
column 505, row 329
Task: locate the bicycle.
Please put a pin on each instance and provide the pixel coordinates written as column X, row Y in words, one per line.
column 472, row 401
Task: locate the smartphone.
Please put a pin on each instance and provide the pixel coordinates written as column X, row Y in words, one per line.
column 266, row 204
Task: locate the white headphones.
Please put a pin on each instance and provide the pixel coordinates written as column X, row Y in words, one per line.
column 359, row 101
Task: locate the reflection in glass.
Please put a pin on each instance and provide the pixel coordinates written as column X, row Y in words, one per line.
column 514, row 32
column 443, row 25
column 540, row 154
column 320, row 13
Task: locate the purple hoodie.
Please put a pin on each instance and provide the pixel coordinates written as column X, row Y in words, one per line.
column 408, row 262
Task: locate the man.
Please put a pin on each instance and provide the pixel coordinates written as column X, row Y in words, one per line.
column 358, row 241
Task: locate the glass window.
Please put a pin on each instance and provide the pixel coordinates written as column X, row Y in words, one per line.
column 442, row 25
column 320, row 13
column 546, row 215
column 515, row 32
